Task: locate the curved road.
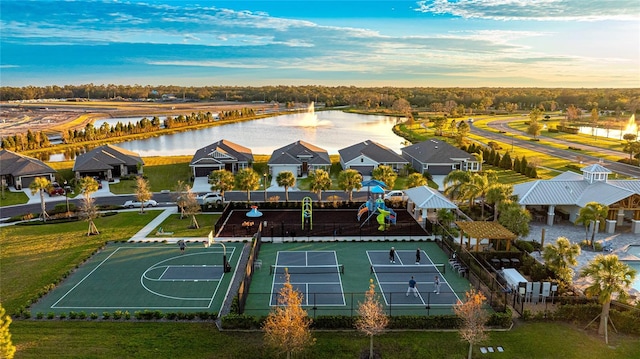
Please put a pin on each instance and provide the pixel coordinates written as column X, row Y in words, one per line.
column 502, row 125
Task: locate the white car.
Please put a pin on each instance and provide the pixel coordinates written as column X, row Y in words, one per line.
column 209, row 198
column 135, row 203
column 396, row 196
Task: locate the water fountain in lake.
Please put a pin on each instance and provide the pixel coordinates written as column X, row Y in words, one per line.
column 630, row 127
column 310, row 119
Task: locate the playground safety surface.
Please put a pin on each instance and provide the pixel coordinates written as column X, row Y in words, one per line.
column 323, row 222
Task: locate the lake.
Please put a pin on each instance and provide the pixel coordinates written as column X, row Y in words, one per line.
column 330, row 130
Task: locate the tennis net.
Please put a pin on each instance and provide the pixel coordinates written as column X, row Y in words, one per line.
column 280, row 269
column 409, row 269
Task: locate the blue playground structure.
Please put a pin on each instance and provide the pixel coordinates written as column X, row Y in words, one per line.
column 384, row 214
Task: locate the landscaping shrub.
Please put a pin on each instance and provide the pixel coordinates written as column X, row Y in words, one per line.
column 241, row 321
column 333, row 322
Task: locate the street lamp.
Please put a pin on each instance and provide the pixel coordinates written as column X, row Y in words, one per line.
column 264, row 175
column 66, row 195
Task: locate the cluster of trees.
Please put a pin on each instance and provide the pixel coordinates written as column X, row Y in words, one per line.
column 37, row 140
column 25, row 141
column 494, row 158
column 448, row 100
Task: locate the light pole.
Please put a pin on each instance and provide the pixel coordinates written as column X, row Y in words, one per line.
column 66, row 195
column 264, row 175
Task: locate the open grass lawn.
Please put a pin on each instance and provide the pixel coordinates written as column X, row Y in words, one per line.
column 35, row 256
column 85, row 339
column 180, row 227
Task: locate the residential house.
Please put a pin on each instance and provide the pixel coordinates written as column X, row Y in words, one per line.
column 564, row 195
column 365, row 156
column 299, row 158
column 19, row 171
column 108, row 162
column 221, row 155
column 439, row 158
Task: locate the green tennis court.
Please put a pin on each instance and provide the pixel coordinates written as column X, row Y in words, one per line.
column 150, row 276
column 324, row 281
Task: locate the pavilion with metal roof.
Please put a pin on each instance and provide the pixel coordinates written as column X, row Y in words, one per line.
column 565, row 194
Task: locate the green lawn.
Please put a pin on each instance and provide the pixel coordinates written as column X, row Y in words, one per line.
column 86, row 339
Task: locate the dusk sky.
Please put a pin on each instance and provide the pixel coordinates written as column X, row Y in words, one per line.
column 438, row 43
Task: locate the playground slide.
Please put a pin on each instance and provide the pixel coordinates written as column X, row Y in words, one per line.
column 362, row 211
column 381, row 219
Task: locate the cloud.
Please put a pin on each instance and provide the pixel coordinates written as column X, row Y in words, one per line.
column 535, row 10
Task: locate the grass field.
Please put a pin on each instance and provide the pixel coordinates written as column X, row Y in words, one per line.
column 86, row 339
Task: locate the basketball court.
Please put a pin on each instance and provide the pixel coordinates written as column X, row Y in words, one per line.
column 133, row 276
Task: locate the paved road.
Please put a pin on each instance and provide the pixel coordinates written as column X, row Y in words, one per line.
column 507, row 137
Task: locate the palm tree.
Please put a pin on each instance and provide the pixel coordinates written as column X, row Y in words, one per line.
column 499, row 194
column 319, row 181
column 286, row 179
column 349, row 180
column 592, row 212
column 416, row 180
column 454, row 184
column 247, row 180
column 560, row 257
column 89, row 211
column 385, row 174
column 221, row 180
column 42, row 185
column 610, row 277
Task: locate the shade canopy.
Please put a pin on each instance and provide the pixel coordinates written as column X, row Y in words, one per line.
column 373, row 182
column 377, row 190
column 489, row 230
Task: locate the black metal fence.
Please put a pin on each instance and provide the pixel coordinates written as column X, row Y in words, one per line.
column 243, row 290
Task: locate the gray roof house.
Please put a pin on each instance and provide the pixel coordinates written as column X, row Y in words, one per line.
column 298, row 158
column 365, row 156
column 108, row 162
column 564, row 195
column 19, row 171
column 221, row 155
column 439, row 158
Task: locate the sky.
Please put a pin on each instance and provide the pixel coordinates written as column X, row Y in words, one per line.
column 433, row 43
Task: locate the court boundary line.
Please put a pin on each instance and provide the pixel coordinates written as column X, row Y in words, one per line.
column 275, row 294
column 117, row 249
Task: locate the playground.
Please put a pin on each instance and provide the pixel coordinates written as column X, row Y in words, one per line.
column 370, row 219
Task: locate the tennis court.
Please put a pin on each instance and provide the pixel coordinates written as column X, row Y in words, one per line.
column 334, row 276
column 150, row 276
column 315, row 274
column 393, row 279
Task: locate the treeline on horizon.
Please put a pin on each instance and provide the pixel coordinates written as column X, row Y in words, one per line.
column 38, row 140
column 435, row 99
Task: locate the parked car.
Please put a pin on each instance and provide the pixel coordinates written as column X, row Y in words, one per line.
column 56, row 190
column 209, row 198
column 396, row 196
column 135, row 203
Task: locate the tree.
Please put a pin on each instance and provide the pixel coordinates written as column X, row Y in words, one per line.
column 187, row 202
column 632, row 146
column 349, row 180
column 7, row 349
column 247, row 180
column 609, row 277
column 463, row 131
column 372, row 319
column 319, row 181
column 561, row 257
column 221, row 180
column 454, row 184
column 143, row 193
column 88, row 209
column 515, row 219
column 286, row 328
column 592, row 212
column 498, row 195
column 42, row 185
column 534, row 126
column 438, row 125
column 416, row 180
column 385, row 174
column 286, row 179
column 473, row 318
